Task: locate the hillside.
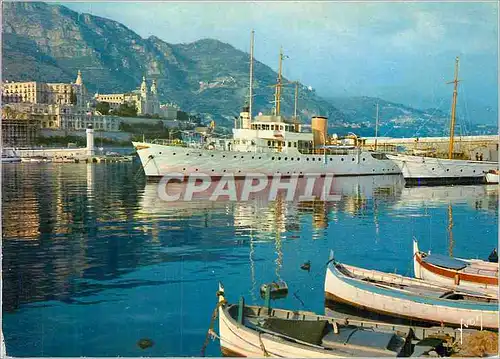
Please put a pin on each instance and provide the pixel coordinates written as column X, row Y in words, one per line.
column 50, row 43
column 398, row 120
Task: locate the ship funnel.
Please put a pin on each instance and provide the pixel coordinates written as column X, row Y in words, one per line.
column 319, row 126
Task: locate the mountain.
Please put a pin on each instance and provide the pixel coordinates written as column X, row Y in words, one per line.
column 51, row 43
column 398, row 120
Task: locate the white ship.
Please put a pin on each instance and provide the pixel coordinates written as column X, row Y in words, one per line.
column 421, row 170
column 264, row 144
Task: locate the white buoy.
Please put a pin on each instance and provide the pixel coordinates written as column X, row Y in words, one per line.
column 90, row 141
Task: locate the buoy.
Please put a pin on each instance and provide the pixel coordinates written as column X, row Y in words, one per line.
column 306, row 266
column 278, row 289
column 145, row 343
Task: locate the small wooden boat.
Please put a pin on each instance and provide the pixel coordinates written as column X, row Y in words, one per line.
column 36, row 159
column 492, row 176
column 3, row 351
column 412, row 299
column 473, row 274
column 254, row 331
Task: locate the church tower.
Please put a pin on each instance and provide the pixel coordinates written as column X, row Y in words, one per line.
column 144, row 97
column 79, row 90
column 155, row 103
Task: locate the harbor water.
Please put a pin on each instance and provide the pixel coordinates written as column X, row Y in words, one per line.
column 94, row 261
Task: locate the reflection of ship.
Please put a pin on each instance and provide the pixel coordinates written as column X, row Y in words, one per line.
column 443, row 195
column 268, row 144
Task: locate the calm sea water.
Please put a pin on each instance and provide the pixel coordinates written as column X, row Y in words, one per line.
column 93, row 261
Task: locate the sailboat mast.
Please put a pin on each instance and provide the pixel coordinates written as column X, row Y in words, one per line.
column 250, row 100
column 453, row 109
column 376, row 129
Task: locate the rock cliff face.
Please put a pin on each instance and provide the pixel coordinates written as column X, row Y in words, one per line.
column 51, row 43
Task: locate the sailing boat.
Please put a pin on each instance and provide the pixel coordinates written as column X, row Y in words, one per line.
column 421, row 170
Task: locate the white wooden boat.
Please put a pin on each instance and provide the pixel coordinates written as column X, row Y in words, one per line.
column 492, row 176
column 10, row 159
column 254, row 331
column 408, row 298
column 36, row 159
column 472, row 274
column 3, row 351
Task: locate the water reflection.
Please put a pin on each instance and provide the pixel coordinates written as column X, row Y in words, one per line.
column 70, row 230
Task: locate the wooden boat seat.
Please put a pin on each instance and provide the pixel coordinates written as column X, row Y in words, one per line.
column 445, row 261
column 352, row 335
column 309, row 331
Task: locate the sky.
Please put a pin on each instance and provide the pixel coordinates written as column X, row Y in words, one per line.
column 399, row 51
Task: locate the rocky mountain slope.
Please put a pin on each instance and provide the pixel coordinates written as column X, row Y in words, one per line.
column 51, row 43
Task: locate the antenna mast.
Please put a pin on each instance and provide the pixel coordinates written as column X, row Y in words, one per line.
column 251, row 77
column 453, row 108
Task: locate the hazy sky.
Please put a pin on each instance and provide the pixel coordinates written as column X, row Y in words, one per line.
column 399, row 51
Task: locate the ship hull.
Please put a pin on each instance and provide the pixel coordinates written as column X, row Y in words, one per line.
column 159, row 160
column 429, row 171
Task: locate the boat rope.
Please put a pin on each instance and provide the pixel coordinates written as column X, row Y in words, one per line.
column 264, row 351
column 142, row 168
column 211, row 332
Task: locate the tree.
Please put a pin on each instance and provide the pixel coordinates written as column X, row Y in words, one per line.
column 103, row 108
column 126, row 110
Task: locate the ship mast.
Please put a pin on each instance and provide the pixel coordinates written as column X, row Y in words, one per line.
column 376, row 129
column 250, row 100
column 453, row 109
column 277, row 94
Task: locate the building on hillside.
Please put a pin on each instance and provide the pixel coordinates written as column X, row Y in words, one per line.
column 145, row 100
column 46, row 93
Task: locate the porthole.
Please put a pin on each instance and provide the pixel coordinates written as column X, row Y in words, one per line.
column 196, row 170
column 331, row 159
column 183, row 169
column 307, row 159
column 239, row 171
column 342, row 159
column 213, row 171
column 187, row 154
column 279, row 158
column 235, row 156
column 224, row 171
column 159, row 153
column 211, row 155
column 461, row 170
column 260, row 158
column 199, row 155
column 433, row 168
column 447, row 170
column 241, row 156
column 364, row 159
column 272, row 158
column 352, row 159
column 474, row 171
column 223, row 156
column 314, row 159
column 173, row 153
column 286, row 158
column 253, row 157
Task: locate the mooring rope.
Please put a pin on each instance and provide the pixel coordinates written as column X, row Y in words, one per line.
column 211, row 331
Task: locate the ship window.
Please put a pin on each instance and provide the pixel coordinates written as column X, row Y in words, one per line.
column 286, row 158
column 298, row 158
column 187, row 154
column 342, row 159
column 474, row 171
column 211, row 155
column 196, row 170
column 307, row 158
column 224, row 171
column 183, row 169
column 159, row 153
column 173, row 153
column 241, row 156
column 279, row 158
column 364, row 159
column 447, row 170
column 272, row 158
column 272, row 127
column 252, row 157
column 331, row 159
column 295, row 144
column 235, row 156
column 199, row 155
column 223, row 156
column 289, row 144
column 461, row 170
column 433, row 168
column 269, row 143
column 260, row 158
